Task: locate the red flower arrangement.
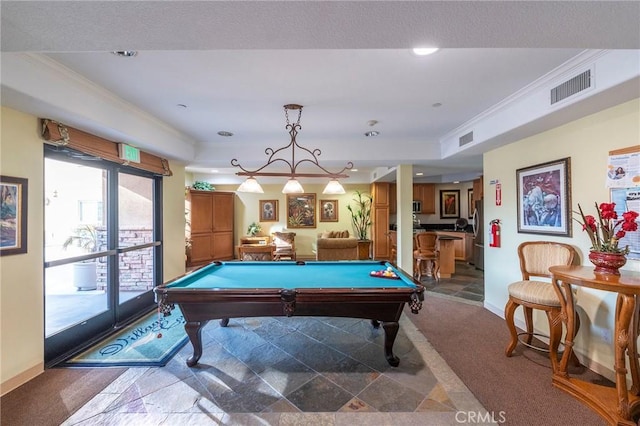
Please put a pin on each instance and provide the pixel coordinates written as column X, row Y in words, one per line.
column 607, row 229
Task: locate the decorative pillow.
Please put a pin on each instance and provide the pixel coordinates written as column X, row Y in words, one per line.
column 326, row 234
column 344, row 234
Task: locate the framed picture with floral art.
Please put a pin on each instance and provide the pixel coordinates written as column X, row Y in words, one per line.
column 449, row 203
column 268, row 210
column 328, row 210
column 544, row 198
column 301, row 210
column 13, row 215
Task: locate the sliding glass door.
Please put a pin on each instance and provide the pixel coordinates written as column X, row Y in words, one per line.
column 102, row 248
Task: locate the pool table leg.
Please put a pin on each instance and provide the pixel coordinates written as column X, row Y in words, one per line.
column 194, row 331
column 390, row 333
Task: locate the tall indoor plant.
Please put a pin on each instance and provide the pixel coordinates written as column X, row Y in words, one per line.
column 361, row 221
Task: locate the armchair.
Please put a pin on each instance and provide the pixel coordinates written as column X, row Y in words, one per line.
column 284, row 246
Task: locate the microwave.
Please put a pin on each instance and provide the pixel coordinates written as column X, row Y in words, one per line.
column 417, row 206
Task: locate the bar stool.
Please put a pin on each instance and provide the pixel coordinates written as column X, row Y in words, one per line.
column 427, row 252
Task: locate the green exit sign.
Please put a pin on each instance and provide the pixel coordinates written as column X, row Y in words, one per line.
column 129, row 153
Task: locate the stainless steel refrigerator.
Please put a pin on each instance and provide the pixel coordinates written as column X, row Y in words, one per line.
column 478, row 235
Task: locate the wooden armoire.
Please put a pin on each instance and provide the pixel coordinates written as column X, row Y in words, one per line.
column 209, row 226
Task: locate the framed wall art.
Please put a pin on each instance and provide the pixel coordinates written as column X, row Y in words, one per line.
column 544, row 198
column 301, row 210
column 449, row 203
column 328, row 210
column 470, row 203
column 13, row 215
column 268, row 210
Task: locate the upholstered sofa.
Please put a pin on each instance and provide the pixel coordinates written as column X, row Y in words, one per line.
column 336, row 245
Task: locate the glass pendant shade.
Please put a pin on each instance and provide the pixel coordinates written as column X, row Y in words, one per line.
column 333, row 187
column 251, row 185
column 292, row 187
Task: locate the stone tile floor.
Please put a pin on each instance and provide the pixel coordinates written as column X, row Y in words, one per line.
column 467, row 283
column 289, row 371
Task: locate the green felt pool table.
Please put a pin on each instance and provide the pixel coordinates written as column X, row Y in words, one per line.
column 223, row 290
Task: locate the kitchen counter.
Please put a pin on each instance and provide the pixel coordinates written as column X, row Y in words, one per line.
column 447, row 253
column 463, row 245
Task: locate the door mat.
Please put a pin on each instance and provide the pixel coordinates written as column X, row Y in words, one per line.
column 149, row 342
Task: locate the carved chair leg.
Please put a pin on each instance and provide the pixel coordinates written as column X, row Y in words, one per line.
column 509, row 312
column 528, row 318
column 436, row 270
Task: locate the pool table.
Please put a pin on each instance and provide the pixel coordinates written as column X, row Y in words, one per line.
column 223, row 290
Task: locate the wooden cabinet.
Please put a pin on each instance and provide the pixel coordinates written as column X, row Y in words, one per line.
column 478, row 189
column 380, row 218
column 463, row 247
column 393, row 199
column 209, row 226
column 426, row 194
column 428, row 198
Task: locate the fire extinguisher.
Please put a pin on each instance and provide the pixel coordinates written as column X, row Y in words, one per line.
column 494, row 235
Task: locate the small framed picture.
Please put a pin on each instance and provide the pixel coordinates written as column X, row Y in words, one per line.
column 449, row 203
column 470, row 203
column 544, row 198
column 328, row 210
column 301, row 210
column 268, row 210
column 13, row 216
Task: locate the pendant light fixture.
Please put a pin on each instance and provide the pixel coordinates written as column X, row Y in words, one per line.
column 292, row 186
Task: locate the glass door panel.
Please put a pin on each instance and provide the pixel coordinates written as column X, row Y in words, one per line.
column 66, row 304
column 75, row 231
column 135, row 238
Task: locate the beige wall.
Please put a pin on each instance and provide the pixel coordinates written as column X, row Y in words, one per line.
column 587, row 141
column 247, row 211
column 21, row 276
column 21, row 284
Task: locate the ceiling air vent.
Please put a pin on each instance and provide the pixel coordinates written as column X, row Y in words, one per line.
column 465, row 139
column 570, row 87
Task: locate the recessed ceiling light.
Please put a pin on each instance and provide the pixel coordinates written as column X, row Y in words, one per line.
column 436, row 105
column 424, row 51
column 353, row 170
column 372, row 133
column 419, row 174
column 181, row 105
column 125, row 53
column 214, row 171
column 456, row 181
column 225, row 133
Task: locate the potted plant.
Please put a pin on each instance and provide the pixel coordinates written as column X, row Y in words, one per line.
column 254, row 229
column 85, row 237
column 361, row 221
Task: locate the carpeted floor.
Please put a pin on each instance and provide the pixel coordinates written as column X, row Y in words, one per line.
column 53, row 396
column 471, row 339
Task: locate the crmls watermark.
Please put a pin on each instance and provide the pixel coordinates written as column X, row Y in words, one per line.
column 483, row 417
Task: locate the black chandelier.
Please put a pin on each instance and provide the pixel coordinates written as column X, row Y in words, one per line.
column 275, row 156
